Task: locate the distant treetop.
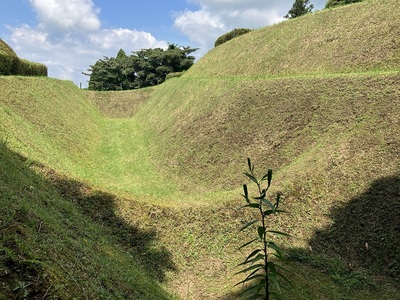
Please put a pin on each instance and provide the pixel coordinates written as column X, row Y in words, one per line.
column 143, row 68
column 299, row 8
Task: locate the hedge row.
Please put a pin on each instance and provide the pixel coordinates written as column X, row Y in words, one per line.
column 332, row 3
column 230, row 35
column 11, row 64
column 27, row 68
column 15, row 66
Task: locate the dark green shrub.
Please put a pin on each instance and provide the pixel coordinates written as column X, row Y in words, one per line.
column 7, row 58
column 332, row 3
column 27, row 68
column 5, row 64
column 230, row 35
column 10, row 64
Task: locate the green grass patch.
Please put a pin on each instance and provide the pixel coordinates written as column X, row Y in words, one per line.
column 62, row 240
column 134, row 194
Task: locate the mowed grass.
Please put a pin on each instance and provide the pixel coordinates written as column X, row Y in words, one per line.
column 328, row 41
column 49, row 121
column 61, row 240
column 145, row 188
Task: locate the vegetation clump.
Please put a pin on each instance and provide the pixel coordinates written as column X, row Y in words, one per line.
column 231, row 35
column 299, row 8
column 11, row 64
column 333, row 3
column 264, row 273
column 147, row 67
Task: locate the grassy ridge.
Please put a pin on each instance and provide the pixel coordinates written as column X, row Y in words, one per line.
column 330, row 41
column 223, row 123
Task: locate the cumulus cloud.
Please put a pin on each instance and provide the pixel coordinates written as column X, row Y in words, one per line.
column 201, row 27
column 71, row 15
column 125, row 38
column 215, row 17
column 68, row 38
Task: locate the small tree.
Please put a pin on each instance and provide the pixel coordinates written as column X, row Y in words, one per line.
column 299, row 8
column 262, row 271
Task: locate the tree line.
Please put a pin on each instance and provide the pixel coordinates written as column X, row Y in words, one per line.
column 143, row 68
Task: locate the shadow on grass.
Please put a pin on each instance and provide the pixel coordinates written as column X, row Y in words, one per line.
column 23, row 193
column 363, row 240
column 102, row 207
column 362, row 246
column 366, row 232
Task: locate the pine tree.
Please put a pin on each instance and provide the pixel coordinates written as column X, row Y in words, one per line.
column 299, row 8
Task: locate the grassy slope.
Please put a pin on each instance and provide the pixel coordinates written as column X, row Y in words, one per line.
column 49, row 121
column 62, row 240
column 58, row 237
column 321, row 109
column 335, row 156
column 333, row 41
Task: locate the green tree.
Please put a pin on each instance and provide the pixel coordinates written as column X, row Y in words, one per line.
column 146, row 67
column 299, row 8
column 332, row 3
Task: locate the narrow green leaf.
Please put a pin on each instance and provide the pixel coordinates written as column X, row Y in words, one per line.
column 261, row 231
column 252, row 205
column 254, row 267
column 273, row 278
column 248, row 225
column 271, row 212
column 252, row 254
column 278, row 296
column 269, row 175
column 246, row 193
column 248, row 243
column 279, row 233
column 278, row 198
column 269, row 204
column 253, row 260
column 272, row 245
column 262, row 196
column 249, row 163
column 252, row 178
column 250, row 278
column 254, row 289
column 285, row 279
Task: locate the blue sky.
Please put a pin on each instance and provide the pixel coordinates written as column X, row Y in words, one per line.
column 70, row 35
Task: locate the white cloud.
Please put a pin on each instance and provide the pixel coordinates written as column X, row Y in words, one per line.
column 71, row 15
column 216, row 17
column 201, row 27
column 68, row 57
column 68, row 38
column 125, row 38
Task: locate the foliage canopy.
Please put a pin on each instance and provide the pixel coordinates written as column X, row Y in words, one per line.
column 299, row 8
column 143, row 68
